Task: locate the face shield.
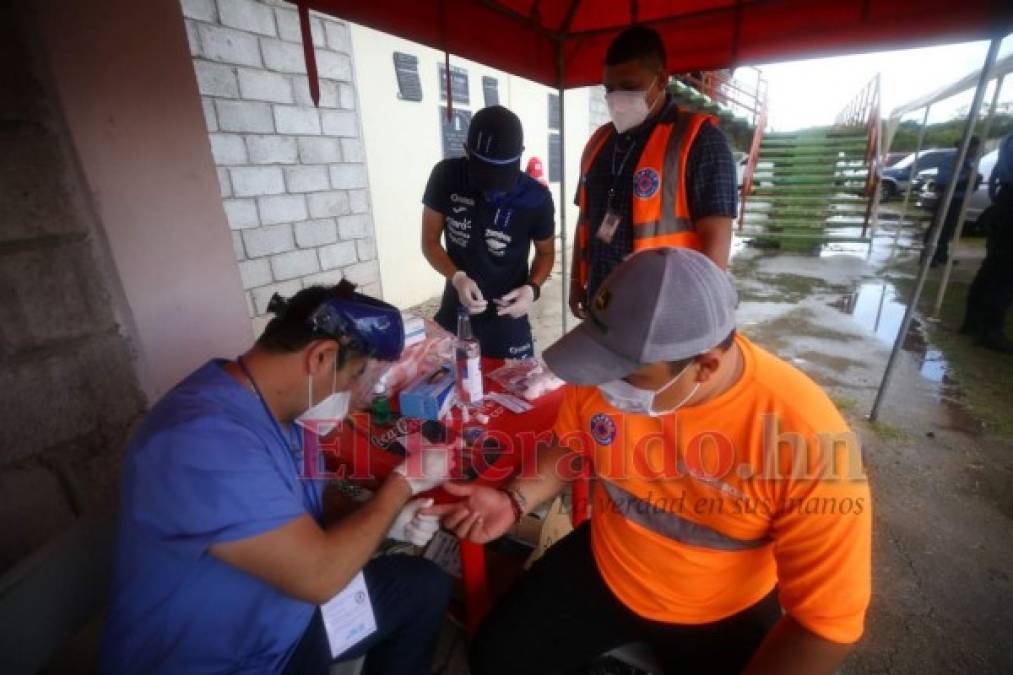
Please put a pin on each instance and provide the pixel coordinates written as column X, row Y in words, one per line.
column 361, row 324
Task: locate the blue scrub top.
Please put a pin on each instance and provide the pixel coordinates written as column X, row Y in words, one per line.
column 207, row 465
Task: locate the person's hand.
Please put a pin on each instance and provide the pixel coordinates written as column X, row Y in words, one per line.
column 517, row 302
column 468, row 292
column 484, row 515
column 428, row 467
column 577, row 306
column 412, row 526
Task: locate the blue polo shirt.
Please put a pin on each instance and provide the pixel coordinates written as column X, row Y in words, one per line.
column 207, row 465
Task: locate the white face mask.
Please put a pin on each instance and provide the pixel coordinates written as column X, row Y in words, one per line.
column 324, row 416
column 636, row 401
column 628, row 108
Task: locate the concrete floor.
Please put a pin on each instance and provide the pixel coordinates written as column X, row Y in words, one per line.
column 941, row 469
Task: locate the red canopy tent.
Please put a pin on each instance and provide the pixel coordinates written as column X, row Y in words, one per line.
column 562, row 43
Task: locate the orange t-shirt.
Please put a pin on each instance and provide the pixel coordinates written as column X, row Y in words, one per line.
column 697, row 514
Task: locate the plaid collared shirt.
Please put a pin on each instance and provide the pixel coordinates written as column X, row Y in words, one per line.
column 710, row 180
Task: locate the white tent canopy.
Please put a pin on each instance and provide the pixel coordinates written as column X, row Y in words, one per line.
column 1001, row 67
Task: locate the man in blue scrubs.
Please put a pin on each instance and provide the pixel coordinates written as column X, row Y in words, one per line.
column 223, row 556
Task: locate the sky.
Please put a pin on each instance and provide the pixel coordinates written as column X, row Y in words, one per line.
column 812, row 92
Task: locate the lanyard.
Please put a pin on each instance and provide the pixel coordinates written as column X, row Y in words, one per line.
column 616, row 172
column 615, row 148
column 285, row 440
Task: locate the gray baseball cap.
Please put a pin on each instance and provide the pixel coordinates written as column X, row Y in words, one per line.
column 664, row 304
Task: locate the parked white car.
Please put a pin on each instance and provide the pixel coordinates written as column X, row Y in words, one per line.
column 977, row 201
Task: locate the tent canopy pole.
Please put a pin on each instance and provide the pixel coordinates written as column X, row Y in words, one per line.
column 563, row 280
column 937, row 226
column 962, row 217
column 911, row 177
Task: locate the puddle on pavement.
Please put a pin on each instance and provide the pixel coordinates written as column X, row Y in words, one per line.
column 844, row 248
column 876, row 307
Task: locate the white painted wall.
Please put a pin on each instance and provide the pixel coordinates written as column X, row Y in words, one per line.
column 126, row 85
column 402, row 142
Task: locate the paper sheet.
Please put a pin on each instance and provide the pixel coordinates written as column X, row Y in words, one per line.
column 348, row 617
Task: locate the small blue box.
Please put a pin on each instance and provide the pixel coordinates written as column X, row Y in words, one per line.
column 425, row 397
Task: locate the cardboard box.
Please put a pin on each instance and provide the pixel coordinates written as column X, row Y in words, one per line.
column 427, row 396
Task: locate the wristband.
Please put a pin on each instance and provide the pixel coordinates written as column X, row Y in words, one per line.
column 537, row 290
column 516, row 500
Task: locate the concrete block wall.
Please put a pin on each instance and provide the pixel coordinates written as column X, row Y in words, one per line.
column 68, row 388
column 293, row 177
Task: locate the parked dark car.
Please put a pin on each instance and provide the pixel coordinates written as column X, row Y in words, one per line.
column 928, row 195
column 894, row 157
column 894, row 180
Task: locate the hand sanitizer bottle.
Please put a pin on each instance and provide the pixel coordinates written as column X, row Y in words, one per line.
column 468, row 356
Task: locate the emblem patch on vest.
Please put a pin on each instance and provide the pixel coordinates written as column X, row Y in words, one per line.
column 646, row 183
column 603, row 429
column 602, row 299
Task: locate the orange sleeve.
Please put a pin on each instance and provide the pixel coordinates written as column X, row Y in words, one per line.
column 822, row 541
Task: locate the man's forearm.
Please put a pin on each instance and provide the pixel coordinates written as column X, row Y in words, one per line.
column 715, row 234
column 439, row 259
column 313, row 564
column 576, row 260
column 547, row 482
column 791, row 649
column 352, row 540
column 541, row 267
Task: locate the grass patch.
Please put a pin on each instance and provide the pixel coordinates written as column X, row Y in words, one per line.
column 983, row 376
column 888, row 432
column 845, row 404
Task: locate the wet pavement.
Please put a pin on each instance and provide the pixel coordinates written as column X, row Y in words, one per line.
column 942, row 479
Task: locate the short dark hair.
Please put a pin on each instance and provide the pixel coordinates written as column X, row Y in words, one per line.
column 291, row 330
column 637, row 43
column 724, row 346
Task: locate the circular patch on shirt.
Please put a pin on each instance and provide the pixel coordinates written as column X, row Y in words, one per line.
column 603, row 429
column 646, row 183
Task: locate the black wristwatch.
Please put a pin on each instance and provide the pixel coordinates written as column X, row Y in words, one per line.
column 536, row 288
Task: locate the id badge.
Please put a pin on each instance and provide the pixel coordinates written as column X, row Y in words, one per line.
column 348, row 617
column 609, row 225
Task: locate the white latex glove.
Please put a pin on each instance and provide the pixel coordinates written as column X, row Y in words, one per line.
column 517, row 302
column 468, row 292
column 428, row 467
column 412, row 526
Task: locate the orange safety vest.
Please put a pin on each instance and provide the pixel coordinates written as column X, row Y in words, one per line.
column 660, row 209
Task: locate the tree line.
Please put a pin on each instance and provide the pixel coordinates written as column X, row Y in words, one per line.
column 946, row 134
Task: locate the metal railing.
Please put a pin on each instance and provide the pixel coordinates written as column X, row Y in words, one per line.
column 745, row 97
column 754, row 157
column 864, row 110
column 742, row 96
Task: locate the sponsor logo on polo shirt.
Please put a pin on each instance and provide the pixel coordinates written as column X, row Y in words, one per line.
column 497, row 241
